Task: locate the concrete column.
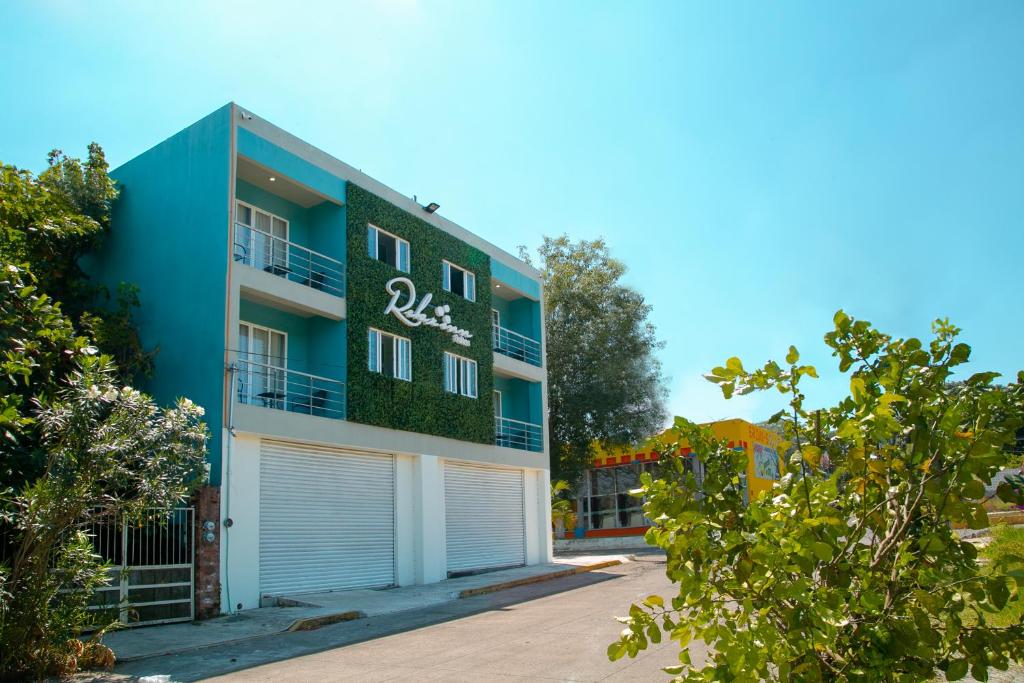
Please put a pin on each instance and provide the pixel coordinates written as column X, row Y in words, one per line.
column 428, row 483
column 240, row 542
column 537, row 513
column 531, row 516
column 405, row 520
column 544, row 500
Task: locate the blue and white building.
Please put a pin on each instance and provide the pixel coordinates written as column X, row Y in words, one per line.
column 373, row 374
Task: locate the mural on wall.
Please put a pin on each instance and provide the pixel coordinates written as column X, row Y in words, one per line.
column 766, row 462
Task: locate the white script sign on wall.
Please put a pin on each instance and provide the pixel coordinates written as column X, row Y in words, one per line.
column 414, row 318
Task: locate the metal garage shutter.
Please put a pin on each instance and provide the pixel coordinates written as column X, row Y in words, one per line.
column 327, row 519
column 484, row 524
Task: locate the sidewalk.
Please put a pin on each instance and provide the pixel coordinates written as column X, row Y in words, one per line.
column 311, row 611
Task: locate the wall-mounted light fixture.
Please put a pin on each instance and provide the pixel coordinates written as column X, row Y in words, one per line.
column 431, row 207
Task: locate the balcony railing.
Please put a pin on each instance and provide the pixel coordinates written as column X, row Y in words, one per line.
column 260, row 382
column 518, row 434
column 286, row 259
column 515, row 345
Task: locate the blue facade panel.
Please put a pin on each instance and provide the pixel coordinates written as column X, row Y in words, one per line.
column 515, row 279
column 170, row 237
column 270, row 155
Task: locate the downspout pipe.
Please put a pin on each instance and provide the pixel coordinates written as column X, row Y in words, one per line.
column 231, row 368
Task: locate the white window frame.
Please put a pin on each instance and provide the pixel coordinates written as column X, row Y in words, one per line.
column 467, row 275
column 274, row 257
column 460, row 385
column 398, row 248
column 269, row 331
column 496, row 317
column 247, row 371
column 375, row 356
column 500, row 406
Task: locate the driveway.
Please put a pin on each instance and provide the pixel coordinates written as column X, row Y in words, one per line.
column 554, row 631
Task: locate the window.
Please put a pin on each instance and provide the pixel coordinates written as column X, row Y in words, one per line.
column 497, row 403
column 458, row 281
column 385, row 247
column 262, row 354
column 495, row 317
column 390, row 355
column 459, row 375
column 606, row 501
column 262, row 240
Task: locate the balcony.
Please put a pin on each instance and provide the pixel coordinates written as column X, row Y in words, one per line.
column 259, row 381
column 287, row 260
column 518, row 434
column 515, row 345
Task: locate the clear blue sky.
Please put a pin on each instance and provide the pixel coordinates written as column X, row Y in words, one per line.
column 756, row 165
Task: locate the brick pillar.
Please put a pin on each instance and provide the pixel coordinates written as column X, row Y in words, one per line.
column 207, row 559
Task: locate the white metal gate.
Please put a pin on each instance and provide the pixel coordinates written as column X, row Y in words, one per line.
column 327, row 519
column 152, row 578
column 484, row 517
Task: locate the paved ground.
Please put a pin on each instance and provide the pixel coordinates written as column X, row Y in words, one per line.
column 139, row 643
column 554, row 631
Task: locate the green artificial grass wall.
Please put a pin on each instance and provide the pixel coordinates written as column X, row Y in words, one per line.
column 421, row 405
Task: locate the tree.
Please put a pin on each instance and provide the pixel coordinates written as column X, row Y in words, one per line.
column 76, row 444
column 111, row 454
column 48, row 307
column 604, row 380
column 852, row 573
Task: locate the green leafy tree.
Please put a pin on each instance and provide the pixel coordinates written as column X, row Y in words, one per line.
column 604, row 380
column 77, row 445
column 851, row 572
column 111, row 453
column 48, row 307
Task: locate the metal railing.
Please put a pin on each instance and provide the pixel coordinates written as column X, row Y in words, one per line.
column 518, row 434
column 264, row 384
column 286, row 259
column 515, row 345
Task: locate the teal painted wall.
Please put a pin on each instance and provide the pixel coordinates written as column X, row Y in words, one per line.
column 526, row 285
column 297, row 217
column 328, row 230
column 520, row 315
column 169, row 236
column 520, row 400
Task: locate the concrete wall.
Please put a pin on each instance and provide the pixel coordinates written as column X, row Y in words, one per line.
column 170, row 237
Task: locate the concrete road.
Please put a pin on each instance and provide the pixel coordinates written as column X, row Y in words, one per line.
column 554, row 631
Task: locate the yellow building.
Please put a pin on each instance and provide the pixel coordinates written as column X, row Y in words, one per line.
column 604, row 506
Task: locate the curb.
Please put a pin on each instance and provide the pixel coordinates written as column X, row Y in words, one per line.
column 515, row 583
column 313, row 623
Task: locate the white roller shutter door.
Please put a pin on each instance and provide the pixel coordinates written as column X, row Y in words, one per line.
column 327, row 519
column 484, row 525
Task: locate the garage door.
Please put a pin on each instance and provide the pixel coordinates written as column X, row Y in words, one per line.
column 327, row 519
column 484, row 525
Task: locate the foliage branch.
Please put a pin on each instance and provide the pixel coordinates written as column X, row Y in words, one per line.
column 850, row 568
